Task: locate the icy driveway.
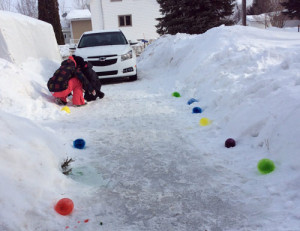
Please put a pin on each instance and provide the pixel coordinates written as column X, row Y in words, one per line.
column 144, row 170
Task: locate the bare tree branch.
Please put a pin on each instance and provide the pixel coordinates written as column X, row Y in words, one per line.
column 80, row 4
column 6, row 5
column 272, row 8
column 27, row 7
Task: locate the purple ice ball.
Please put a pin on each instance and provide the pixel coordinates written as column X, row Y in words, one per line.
column 229, row 143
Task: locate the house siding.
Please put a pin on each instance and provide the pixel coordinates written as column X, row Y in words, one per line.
column 96, row 13
column 143, row 13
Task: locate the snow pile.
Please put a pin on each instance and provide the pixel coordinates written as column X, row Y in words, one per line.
column 25, row 91
column 22, row 37
column 31, row 155
column 79, row 14
column 247, row 81
column 239, row 77
column 30, row 175
column 64, row 50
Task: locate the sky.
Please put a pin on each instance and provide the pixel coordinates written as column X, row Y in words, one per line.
column 148, row 162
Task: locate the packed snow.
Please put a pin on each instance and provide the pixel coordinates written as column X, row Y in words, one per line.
column 148, row 164
column 16, row 30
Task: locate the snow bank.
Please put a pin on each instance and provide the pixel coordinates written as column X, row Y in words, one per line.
column 247, row 81
column 230, row 68
column 79, row 14
column 22, row 37
column 30, row 179
column 25, row 84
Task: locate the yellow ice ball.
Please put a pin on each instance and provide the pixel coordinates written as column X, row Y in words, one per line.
column 66, row 109
column 205, row 121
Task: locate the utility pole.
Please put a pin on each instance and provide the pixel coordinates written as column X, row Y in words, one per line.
column 244, row 12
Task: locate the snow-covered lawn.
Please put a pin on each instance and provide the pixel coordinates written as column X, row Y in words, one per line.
column 148, row 164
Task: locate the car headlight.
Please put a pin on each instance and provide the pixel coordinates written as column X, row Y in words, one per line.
column 126, row 56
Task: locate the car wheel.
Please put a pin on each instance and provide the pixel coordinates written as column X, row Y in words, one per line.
column 133, row 77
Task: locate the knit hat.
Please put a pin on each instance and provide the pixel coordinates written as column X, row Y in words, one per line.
column 79, row 60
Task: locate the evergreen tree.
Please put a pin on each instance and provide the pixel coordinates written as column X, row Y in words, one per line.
column 48, row 12
column 293, row 8
column 193, row 16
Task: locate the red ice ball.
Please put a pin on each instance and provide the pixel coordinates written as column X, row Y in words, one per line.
column 229, row 143
column 64, row 206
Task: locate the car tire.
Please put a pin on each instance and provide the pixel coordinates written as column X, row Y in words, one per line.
column 133, row 78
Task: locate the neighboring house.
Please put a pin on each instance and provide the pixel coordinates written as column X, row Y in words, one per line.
column 80, row 22
column 136, row 18
column 67, row 34
column 65, row 26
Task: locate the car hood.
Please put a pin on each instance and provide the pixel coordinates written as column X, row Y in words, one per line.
column 102, row 50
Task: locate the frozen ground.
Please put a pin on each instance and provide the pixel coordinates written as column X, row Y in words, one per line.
column 147, row 172
column 148, row 164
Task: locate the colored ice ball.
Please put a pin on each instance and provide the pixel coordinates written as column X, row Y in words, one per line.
column 79, row 143
column 66, row 109
column 229, row 143
column 265, row 166
column 176, row 94
column 197, row 110
column 204, row 121
column 192, row 100
column 64, row 206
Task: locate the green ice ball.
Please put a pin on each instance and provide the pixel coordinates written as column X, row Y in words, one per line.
column 176, row 94
column 265, row 166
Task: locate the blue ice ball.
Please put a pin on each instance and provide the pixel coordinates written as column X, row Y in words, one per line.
column 192, row 100
column 197, row 110
column 79, row 143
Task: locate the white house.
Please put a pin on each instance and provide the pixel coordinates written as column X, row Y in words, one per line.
column 136, row 18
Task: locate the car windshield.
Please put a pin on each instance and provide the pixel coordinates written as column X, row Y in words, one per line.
column 102, row 39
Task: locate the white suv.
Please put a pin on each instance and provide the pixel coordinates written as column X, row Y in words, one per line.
column 109, row 52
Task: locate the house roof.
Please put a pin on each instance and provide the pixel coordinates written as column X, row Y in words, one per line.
column 79, row 14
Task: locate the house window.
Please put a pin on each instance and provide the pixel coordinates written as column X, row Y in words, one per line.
column 125, row 20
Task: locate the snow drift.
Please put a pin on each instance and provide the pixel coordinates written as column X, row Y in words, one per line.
column 22, row 37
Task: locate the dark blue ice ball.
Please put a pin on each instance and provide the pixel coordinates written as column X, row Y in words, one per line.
column 79, row 143
column 197, row 110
